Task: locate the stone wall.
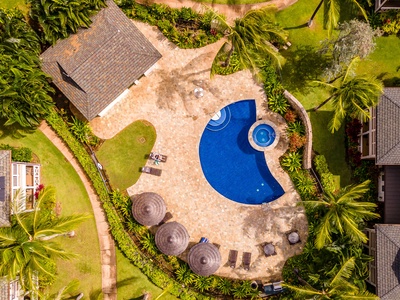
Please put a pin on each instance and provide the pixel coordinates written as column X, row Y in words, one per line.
column 307, row 160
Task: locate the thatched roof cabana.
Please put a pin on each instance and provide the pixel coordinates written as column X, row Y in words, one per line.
column 204, row 259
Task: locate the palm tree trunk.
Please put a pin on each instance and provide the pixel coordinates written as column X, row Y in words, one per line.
column 314, row 13
column 228, row 59
column 323, row 103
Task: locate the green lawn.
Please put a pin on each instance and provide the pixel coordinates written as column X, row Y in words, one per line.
column 14, row 4
column 56, row 171
column 304, row 65
column 132, row 283
column 124, row 154
column 230, row 2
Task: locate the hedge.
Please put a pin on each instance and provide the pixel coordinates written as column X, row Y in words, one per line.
column 123, row 240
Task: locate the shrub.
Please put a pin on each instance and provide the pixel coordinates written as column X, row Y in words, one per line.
column 353, row 129
column 296, row 127
column 290, row 116
column 278, row 103
column 321, row 166
column 296, row 141
column 292, row 161
column 21, row 154
column 304, row 183
column 327, row 182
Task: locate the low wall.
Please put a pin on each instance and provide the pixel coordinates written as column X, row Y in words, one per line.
column 307, row 160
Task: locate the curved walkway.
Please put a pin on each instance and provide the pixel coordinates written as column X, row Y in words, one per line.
column 107, row 247
column 231, row 11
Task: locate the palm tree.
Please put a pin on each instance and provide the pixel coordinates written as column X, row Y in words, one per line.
column 250, row 38
column 338, row 287
column 342, row 214
column 60, row 18
column 27, row 248
column 332, row 13
column 353, row 96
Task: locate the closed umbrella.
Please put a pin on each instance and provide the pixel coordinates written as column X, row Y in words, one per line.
column 204, row 259
column 148, row 208
column 172, row 238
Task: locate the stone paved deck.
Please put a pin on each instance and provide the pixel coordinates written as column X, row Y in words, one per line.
column 166, row 100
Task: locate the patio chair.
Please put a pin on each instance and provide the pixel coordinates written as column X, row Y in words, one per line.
column 246, row 260
column 233, row 254
column 158, row 157
column 152, row 171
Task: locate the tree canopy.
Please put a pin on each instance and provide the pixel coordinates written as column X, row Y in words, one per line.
column 27, row 249
column 24, row 88
column 251, row 38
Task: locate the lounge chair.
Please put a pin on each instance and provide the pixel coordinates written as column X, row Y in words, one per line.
column 246, row 260
column 233, row 254
column 151, row 170
column 158, row 157
column 203, row 240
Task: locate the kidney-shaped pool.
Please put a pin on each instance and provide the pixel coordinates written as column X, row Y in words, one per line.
column 230, row 164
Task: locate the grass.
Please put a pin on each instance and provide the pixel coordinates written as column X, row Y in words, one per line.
column 132, row 283
column 71, row 194
column 231, row 2
column 304, row 65
column 123, row 155
column 15, row 4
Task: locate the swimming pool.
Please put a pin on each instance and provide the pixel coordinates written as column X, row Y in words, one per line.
column 230, row 164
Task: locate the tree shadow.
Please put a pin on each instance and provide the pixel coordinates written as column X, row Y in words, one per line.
column 303, row 64
column 15, row 131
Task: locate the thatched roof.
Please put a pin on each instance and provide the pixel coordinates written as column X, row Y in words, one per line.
column 204, row 259
column 148, row 208
column 172, row 238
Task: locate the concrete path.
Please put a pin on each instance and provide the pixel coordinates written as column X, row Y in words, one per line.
column 107, row 247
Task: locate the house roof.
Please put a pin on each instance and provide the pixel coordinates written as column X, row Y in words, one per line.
column 392, row 195
column 5, row 170
column 95, row 65
column 388, row 128
column 388, row 261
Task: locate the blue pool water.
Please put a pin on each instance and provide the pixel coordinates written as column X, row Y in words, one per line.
column 230, row 164
column 263, row 135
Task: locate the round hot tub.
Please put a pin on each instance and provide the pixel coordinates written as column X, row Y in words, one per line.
column 263, row 135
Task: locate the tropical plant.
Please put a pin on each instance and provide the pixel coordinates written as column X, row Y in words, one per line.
column 27, row 248
column 304, row 183
column 224, row 285
column 185, row 275
column 148, row 243
column 332, row 13
column 80, row 129
column 278, row 103
column 204, row 283
column 339, row 285
column 250, row 38
column 296, row 127
column 59, row 18
column 292, row 161
column 353, row 96
column 343, row 214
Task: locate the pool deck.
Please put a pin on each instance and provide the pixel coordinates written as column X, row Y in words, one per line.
column 166, row 100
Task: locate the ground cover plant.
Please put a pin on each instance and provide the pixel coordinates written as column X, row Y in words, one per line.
column 123, row 155
column 85, row 267
column 184, row 27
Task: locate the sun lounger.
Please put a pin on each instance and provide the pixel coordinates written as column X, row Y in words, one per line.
column 246, row 260
column 152, row 171
column 158, row 157
column 232, row 258
column 203, row 240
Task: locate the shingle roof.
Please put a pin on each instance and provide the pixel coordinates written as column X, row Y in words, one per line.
column 388, row 261
column 5, row 170
column 388, row 128
column 95, row 65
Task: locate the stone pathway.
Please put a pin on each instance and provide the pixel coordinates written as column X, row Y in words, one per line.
column 231, row 11
column 107, row 247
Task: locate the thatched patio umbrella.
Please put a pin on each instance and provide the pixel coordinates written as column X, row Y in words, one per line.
column 148, row 208
column 204, row 259
column 269, row 249
column 172, row 238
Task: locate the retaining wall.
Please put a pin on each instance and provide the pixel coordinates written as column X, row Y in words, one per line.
column 307, row 160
